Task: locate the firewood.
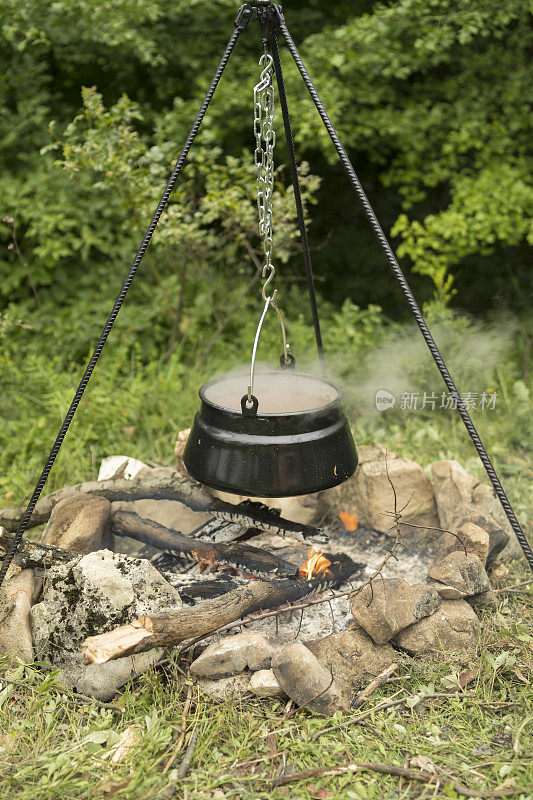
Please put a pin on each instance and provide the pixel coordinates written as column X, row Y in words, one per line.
column 34, row 555
column 170, row 628
column 242, row 556
column 164, row 483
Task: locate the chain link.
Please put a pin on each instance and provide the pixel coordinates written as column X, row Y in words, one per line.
column 265, row 139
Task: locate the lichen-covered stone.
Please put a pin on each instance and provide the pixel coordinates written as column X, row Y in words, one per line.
column 373, row 496
column 474, row 540
column 389, row 605
column 451, row 629
column 453, row 488
column 498, row 537
column 89, row 595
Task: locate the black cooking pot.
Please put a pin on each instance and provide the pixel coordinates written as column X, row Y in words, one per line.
column 293, row 439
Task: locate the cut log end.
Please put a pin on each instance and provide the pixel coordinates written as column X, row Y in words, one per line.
column 121, row 641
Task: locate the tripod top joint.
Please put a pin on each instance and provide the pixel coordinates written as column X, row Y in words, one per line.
column 262, row 11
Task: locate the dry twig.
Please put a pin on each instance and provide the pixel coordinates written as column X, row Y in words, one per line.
column 392, row 769
column 374, row 684
column 179, row 745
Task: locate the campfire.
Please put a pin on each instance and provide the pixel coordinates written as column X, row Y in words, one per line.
column 312, row 600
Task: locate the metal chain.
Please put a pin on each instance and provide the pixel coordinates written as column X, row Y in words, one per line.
column 265, row 139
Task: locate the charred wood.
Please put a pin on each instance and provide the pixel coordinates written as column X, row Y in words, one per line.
column 244, row 557
column 165, row 483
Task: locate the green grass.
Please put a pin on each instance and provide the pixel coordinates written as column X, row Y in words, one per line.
column 52, row 746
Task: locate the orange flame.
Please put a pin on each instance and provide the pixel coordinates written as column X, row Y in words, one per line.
column 349, row 521
column 203, row 564
column 316, row 564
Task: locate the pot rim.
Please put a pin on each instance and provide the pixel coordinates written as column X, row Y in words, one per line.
column 271, row 415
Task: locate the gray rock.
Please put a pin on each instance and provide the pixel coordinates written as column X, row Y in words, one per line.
column 390, row 605
column 16, row 596
column 459, row 575
column 89, row 595
column 308, row 682
column 371, row 496
column 474, row 539
column 352, row 655
column 498, row 537
column 453, row 488
column 450, row 629
column 263, row 683
column 103, row 681
column 236, row 687
column 234, row 654
column 80, row 524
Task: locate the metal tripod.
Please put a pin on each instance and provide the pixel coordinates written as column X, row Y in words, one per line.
column 272, row 22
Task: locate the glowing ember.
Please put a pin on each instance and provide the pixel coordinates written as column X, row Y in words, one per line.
column 349, row 521
column 203, row 564
column 316, row 564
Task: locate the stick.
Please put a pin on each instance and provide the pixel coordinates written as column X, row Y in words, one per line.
column 392, row 769
column 170, row 628
column 182, row 732
column 170, row 790
column 237, row 554
column 189, row 753
column 164, row 483
column 374, row 684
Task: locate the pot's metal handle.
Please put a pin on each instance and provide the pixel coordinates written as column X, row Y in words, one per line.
column 287, row 360
column 247, row 409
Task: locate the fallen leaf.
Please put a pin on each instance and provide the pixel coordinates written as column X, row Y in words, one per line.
column 349, row 521
column 423, row 763
column 467, row 677
column 317, row 794
column 111, row 787
column 520, row 676
column 128, row 740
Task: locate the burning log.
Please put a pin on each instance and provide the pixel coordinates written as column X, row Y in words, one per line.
column 165, row 483
column 171, row 628
column 244, row 557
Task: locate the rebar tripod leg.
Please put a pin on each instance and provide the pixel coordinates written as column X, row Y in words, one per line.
column 298, row 198
column 240, row 24
column 413, row 305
